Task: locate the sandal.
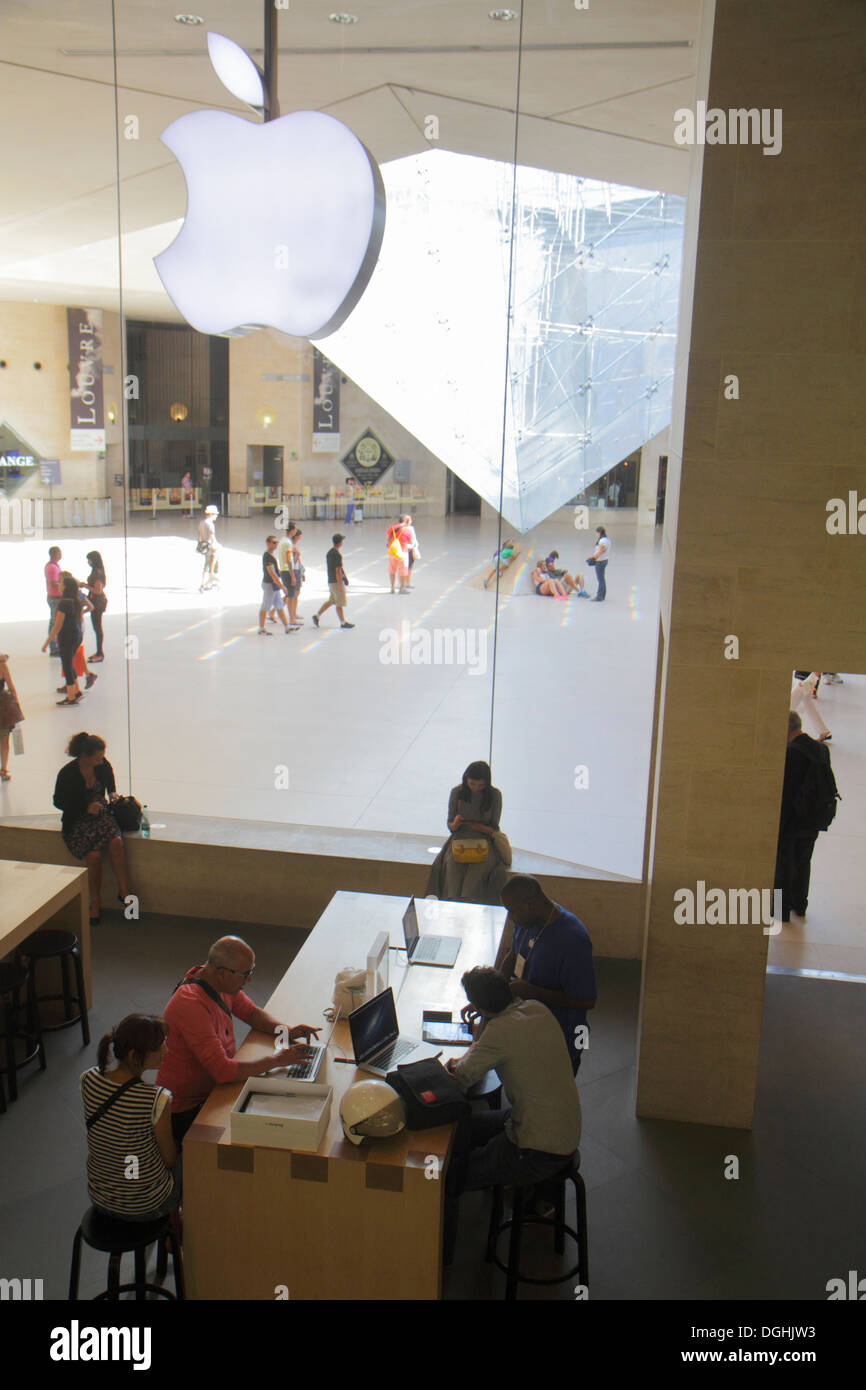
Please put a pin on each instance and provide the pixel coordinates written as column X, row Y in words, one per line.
column 5, row 776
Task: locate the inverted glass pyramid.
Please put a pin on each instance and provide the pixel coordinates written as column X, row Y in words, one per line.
column 584, row 343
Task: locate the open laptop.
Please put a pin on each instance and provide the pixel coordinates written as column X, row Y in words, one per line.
column 427, row 949
column 376, row 1040
column 308, row 1070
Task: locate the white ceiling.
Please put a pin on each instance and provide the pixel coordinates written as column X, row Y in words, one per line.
column 604, row 112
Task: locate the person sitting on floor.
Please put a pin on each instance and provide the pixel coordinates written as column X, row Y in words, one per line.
column 502, row 558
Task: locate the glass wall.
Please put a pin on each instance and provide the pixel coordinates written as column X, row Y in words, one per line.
column 493, row 370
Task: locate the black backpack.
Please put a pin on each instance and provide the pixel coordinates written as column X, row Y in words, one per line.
column 430, row 1094
column 815, row 799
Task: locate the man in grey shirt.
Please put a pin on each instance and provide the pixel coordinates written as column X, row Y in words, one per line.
column 522, row 1042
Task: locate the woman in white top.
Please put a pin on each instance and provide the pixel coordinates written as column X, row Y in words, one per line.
column 130, row 1149
column 208, row 546
column 600, row 556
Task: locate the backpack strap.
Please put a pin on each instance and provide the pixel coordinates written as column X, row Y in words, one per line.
column 107, row 1104
column 209, row 991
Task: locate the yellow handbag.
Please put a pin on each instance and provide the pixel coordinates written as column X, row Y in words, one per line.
column 469, row 851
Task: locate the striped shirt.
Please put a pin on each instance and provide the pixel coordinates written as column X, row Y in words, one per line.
column 126, row 1174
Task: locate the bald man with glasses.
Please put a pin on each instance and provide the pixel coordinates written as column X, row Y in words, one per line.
column 200, row 1047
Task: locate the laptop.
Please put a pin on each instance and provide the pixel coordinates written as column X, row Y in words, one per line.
column 376, row 1040
column 427, row 950
column 308, row 1070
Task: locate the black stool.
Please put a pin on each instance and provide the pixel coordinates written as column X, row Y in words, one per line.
column 116, row 1237
column 12, row 979
column 43, row 945
column 570, row 1172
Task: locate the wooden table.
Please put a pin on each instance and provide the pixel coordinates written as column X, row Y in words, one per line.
column 345, row 1222
column 34, row 896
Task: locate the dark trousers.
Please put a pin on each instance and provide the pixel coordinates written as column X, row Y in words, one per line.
column 793, row 870
column 180, row 1123
column 96, row 622
column 52, row 609
column 600, row 567
column 67, row 657
column 483, row 1156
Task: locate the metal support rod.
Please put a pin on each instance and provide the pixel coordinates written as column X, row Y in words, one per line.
column 271, row 73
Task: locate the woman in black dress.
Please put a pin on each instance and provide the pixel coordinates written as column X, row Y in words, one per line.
column 66, row 631
column 84, row 791
column 95, row 587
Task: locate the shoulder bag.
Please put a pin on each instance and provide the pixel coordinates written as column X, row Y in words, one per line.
column 127, row 812
column 107, row 1104
column 430, row 1094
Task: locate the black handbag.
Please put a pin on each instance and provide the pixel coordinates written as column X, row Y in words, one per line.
column 430, row 1094
column 127, row 812
column 591, row 560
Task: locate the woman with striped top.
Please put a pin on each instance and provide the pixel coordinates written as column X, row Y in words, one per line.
column 131, row 1152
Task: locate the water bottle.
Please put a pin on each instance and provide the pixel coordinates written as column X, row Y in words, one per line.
column 145, row 823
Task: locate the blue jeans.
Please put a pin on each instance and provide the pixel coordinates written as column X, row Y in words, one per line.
column 600, row 567
column 52, row 609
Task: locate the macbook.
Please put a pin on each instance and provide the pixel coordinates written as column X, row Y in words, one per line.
column 376, row 1040
column 427, row 950
column 308, row 1070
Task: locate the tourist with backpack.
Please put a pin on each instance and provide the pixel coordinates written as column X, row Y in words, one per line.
column 809, row 798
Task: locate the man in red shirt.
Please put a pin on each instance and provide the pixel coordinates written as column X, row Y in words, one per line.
column 200, row 1046
column 53, row 589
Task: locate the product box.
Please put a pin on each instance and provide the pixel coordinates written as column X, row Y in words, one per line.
column 280, row 1113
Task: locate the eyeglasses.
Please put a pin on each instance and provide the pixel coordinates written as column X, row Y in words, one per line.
column 244, row 974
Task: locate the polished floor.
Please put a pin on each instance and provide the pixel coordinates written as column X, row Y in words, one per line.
column 664, row 1220
column 364, row 730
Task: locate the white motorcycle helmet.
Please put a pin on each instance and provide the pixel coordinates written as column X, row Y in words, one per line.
column 371, row 1109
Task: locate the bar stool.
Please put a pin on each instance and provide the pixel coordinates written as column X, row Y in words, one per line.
column 570, row 1172
column 116, row 1237
column 12, row 979
column 43, row 945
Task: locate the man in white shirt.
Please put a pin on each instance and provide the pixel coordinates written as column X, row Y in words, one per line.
column 522, row 1042
column 209, row 547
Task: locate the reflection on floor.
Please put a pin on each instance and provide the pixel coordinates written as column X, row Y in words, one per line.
column 364, row 730
column 664, row 1221
column 834, row 936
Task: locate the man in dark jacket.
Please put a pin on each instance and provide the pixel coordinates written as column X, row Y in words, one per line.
column 796, row 840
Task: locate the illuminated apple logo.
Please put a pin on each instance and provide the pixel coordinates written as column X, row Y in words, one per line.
column 284, row 220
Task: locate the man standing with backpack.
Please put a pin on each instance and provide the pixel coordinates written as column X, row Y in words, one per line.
column 809, row 799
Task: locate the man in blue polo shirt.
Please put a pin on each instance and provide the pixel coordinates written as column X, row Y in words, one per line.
column 550, row 958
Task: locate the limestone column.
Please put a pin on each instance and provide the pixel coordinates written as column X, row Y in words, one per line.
column 768, row 423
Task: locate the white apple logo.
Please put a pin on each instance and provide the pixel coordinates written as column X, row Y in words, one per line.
column 284, row 220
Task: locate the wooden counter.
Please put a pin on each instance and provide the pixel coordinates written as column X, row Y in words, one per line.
column 48, row 896
column 346, row 1222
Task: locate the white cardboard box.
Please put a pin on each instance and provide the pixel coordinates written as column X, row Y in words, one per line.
column 280, row 1113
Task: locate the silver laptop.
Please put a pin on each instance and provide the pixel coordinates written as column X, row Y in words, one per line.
column 376, row 1040
column 427, row 949
column 308, row 1070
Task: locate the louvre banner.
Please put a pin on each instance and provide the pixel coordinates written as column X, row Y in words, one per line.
column 326, row 405
column 86, row 419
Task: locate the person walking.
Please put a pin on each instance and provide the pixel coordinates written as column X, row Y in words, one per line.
column 208, row 546
column 67, row 633
column 273, row 590
column 396, row 539
column 53, row 590
column 337, row 583
column 95, row 587
column 412, row 549
column 10, row 715
column 298, row 575
column 600, row 557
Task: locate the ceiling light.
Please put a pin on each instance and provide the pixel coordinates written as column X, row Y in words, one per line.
column 343, row 18
column 503, row 15
column 188, row 19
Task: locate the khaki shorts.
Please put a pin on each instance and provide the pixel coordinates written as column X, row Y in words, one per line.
column 337, row 595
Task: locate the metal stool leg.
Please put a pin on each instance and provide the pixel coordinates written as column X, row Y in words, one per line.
column 113, row 1292
column 82, row 1001
column 9, row 1038
column 67, row 994
column 75, row 1267
column 495, row 1222
column 34, row 1024
column 161, row 1257
column 140, row 1274
column 177, row 1265
column 514, row 1246
column 559, row 1218
column 583, row 1241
